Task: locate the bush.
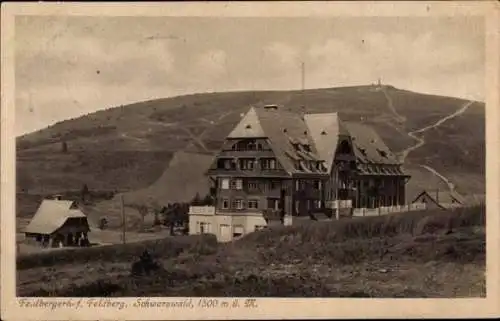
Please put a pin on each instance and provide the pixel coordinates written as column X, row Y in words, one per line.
column 164, row 248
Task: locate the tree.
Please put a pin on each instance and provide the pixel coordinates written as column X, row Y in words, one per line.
column 84, row 192
column 208, row 200
column 143, row 211
column 157, row 210
column 64, row 147
column 196, row 200
column 103, row 223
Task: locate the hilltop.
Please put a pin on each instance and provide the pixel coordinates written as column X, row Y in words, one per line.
column 129, row 148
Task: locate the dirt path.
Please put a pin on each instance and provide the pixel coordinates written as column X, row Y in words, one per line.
column 400, row 118
column 420, row 138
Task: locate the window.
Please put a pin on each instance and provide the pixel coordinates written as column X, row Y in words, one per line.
column 274, row 185
column 345, row 148
column 224, row 183
column 254, row 204
column 246, row 163
column 203, row 227
column 317, row 184
column 225, row 163
column 317, row 204
column 225, row 203
column 245, row 145
column 237, row 204
column 382, row 153
column 237, row 230
column 253, row 185
column 237, row 183
column 273, row 204
column 259, row 227
column 251, row 145
column 268, row 163
column 307, row 148
column 297, row 185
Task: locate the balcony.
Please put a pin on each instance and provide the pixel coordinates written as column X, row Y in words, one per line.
column 339, row 204
column 202, row 210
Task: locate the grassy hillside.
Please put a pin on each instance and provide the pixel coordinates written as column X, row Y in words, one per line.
column 128, row 148
column 419, row 254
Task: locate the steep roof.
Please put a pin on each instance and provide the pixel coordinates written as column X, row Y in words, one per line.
column 248, row 127
column 325, row 129
column 314, row 137
column 51, row 215
column 444, row 198
column 287, row 133
column 369, row 146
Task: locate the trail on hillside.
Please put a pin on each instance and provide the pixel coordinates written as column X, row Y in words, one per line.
column 400, row 118
column 420, row 138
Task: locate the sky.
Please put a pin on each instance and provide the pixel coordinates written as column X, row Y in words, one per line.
column 70, row 66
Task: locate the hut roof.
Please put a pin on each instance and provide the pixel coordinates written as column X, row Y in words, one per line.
column 444, row 199
column 51, row 215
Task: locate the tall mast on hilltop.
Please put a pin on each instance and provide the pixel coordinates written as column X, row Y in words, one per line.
column 303, row 74
column 302, row 87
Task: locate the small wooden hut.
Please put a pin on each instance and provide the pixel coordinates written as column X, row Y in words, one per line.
column 58, row 223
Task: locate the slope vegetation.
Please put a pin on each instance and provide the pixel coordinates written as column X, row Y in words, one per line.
column 129, row 148
column 413, row 255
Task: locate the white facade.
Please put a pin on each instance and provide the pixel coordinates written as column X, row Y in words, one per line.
column 225, row 226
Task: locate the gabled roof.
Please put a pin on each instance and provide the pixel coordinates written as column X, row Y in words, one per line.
column 283, row 129
column 368, row 146
column 51, row 215
column 289, row 133
column 325, row 129
column 248, row 127
column 444, row 199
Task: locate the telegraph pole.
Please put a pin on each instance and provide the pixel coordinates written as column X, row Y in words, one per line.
column 123, row 219
column 337, row 214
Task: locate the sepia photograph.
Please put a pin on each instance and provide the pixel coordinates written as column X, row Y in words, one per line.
column 185, row 156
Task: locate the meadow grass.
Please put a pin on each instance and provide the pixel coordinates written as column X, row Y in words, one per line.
column 421, row 254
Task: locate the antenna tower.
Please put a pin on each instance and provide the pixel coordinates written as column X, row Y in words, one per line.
column 303, row 75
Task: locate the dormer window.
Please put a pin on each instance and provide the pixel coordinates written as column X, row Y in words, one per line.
column 307, row 148
column 382, row 153
column 323, row 132
column 248, row 126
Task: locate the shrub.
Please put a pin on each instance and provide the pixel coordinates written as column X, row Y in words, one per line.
column 164, row 248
